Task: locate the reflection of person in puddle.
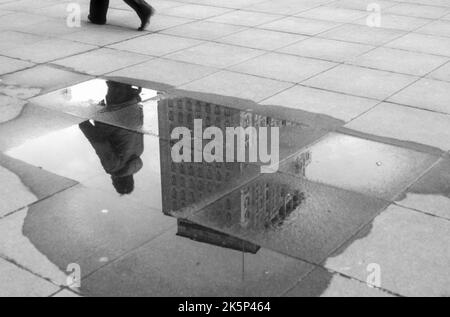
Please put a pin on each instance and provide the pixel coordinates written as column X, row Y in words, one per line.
column 119, row 149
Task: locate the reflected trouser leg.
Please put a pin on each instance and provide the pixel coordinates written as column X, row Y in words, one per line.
column 98, row 10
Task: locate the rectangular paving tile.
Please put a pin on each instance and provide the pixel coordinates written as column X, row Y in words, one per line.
column 324, row 283
column 262, row 39
column 396, row 22
column 268, row 273
column 362, row 34
column 362, row 4
column 334, row 14
column 426, row 94
column 24, row 184
column 400, row 61
column 244, row 18
column 442, row 73
column 102, row 61
column 284, row 7
column 289, row 215
column 418, row 10
column 431, row 194
column 187, row 261
column 78, row 226
column 51, row 27
column 331, row 50
column 30, row 122
column 410, row 249
column 439, row 28
column 100, row 36
column 371, row 83
column 237, row 85
column 234, row 4
column 215, row 55
column 299, row 25
column 40, row 79
column 156, row 44
column 161, row 22
column 423, row 43
column 10, row 40
column 194, row 11
column 17, row 282
column 43, row 51
column 407, row 124
column 10, row 65
column 283, row 67
column 203, row 30
column 17, row 20
column 372, row 168
column 165, row 71
column 170, row 265
column 339, row 106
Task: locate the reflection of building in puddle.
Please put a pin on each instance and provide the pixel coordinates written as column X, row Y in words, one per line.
column 258, row 205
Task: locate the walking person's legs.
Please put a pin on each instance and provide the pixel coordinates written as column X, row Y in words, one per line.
column 98, row 10
column 143, row 10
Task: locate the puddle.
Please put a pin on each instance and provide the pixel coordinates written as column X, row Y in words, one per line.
column 130, row 190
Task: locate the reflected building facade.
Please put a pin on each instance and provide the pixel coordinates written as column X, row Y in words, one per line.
column 256, row 206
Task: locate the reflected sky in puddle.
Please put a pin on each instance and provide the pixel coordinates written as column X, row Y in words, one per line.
column 329, row 185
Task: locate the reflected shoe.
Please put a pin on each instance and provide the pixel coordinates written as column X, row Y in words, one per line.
column 93, row 21
column 145, row 17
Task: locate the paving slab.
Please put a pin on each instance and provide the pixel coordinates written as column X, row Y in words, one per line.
column 422, row 43
column 363, row 34
column 102, row 61
column 299, row 25
column 156, row 44
column 397, row 22
column 442, row 73
column 283, row 67
column 216, row 55
column 371, row 83
column 430, row 194
column 410, row 249
column 372, row 168
column 78, row 226
column 262, row 39
column 17, row 282
column 200, row 269
column 165, row 71
column 37, row 80
column 324, row 283
column 244, row 18
column 238, row 85
column 339, row 106
column 325, row 49
column 194, row 11
column 203, row 30
column 425, row 94
column 289, row 215
column 400, row 61
column 406, row 124
column 31, row 182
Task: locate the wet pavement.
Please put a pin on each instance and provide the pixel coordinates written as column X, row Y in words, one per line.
column 97, row 186
column 361, row 181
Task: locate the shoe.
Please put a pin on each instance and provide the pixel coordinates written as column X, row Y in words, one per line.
column 93, row 21
column 145, row 17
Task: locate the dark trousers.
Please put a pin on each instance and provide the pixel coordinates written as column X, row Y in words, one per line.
column 99, row 9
